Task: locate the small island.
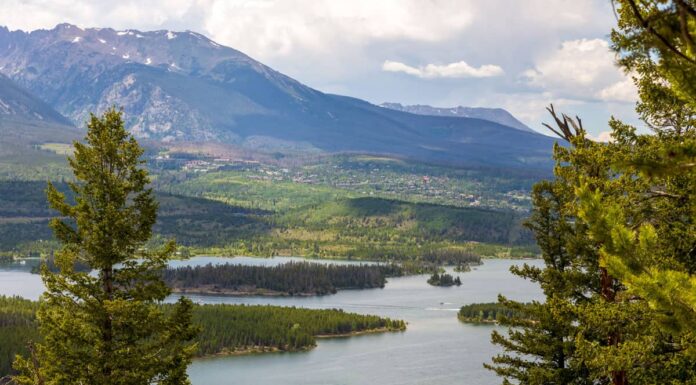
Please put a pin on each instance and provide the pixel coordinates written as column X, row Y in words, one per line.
column 289, row 279
column 444, row 279
column 487, row 313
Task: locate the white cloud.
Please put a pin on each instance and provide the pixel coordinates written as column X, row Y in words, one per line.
column 458, row 69
column 583, row 69
column 621, row 91
column 604, row 136
column 271, row 28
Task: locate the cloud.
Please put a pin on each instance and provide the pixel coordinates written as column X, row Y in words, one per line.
column 268, row 28
column 621, row 91
column 458, row 69
column 583, row 69
column 604, row 136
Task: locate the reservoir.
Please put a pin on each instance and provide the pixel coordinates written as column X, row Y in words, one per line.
column 436, row 348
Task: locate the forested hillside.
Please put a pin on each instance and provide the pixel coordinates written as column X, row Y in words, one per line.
column 360, row 228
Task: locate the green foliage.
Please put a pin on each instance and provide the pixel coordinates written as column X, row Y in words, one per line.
column 657, row 38
column 17, row 328
column 294, row 278
column 488, row 313
column 616, row 229
column 224, row 328
column 230, row 328
column 344, row 228
column 539, row 346
column 97, row 329
column 300, row 183
column 444, row 279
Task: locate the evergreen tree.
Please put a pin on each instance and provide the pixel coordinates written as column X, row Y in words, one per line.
column 651, row 246
column 540, row 344
column 647, row 237
column 106, row 328
column 629, row 226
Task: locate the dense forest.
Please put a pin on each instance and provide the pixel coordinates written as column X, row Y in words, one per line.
column 293, row 278
column 487, row 313
column 224, row 328
column 17, row 327
column 229, row 328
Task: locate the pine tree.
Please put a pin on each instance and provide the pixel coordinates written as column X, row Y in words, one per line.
column 651, row 246
column 540, row 345
column 633, row 214
column 105, row 328
column 647, row 238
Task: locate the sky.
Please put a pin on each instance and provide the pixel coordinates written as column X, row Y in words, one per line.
column 518, row 55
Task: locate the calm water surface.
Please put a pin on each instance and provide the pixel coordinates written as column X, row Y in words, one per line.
column 435, row 349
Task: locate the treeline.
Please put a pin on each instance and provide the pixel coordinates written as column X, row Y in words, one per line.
column 450, row 256
column 293, row 278
column 224, row 328
column 487, row 313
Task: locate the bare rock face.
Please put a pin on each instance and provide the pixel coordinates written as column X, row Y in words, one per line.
column 89, row 70
column 184, row 87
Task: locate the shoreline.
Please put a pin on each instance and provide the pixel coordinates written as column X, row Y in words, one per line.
column 252, row 350
column 259, row 292
column 477, row 321
column 242, row 293
column 359, row 333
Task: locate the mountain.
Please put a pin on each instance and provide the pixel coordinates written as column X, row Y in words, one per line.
column 27, row 122
column 184, row 87
column 17, row 104
column 497, row 115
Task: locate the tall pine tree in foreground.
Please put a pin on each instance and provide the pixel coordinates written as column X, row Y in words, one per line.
column 104, row 328
column 647, row 239
column 539, row 348
column 626, row 226
column 653, row 250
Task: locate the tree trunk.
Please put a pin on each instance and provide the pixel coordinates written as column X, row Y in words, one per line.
column 618, row 377
column 107, row 325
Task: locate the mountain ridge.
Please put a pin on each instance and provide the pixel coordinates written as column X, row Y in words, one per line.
column 497, row 115
column 182, row 86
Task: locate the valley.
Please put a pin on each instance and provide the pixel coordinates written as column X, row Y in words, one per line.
column 342, row 192
column 247, row 162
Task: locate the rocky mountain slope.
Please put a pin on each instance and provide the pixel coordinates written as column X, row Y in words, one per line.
column 497, row 115
column 27, row 123
column 17, row 104
column 183, row 87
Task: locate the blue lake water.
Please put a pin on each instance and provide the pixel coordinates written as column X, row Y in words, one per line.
column 435, row 349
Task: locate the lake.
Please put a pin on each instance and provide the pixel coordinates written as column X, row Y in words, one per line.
column 435, row 349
